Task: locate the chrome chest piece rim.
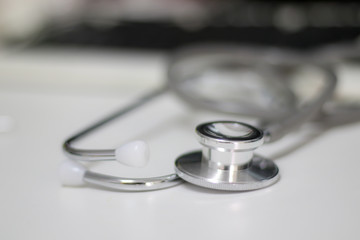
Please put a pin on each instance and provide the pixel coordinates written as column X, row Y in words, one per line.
column 227, row 160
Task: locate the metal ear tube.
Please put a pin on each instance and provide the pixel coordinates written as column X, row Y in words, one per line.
column 227, row 160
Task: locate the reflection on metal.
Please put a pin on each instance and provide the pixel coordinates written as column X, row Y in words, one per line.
column 229, row 163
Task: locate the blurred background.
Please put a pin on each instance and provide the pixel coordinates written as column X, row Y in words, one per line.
column 66, row 63
column 167, row 24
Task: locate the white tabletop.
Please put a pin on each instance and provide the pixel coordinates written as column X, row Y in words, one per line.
column 47, row 95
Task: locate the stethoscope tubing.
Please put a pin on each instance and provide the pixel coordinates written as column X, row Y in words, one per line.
column 104, row 154
column 115, row 182
column 278, row 129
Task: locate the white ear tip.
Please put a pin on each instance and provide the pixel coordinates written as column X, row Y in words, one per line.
column 71, row 173
column 134, row 154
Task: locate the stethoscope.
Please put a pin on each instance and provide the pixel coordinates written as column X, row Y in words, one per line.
column 255, row 82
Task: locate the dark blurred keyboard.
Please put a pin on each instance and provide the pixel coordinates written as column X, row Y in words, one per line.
column 293, row 24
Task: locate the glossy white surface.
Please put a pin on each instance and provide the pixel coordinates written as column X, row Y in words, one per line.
column 317, row 196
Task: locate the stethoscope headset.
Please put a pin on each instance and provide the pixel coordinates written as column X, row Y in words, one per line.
column 247, row 81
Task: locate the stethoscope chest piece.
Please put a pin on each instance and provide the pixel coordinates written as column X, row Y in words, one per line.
column 227, row 160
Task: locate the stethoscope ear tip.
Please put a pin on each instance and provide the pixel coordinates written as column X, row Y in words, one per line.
column 133, row 154
column 71, row 173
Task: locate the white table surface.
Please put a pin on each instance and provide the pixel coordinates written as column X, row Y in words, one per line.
column 49, row 94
